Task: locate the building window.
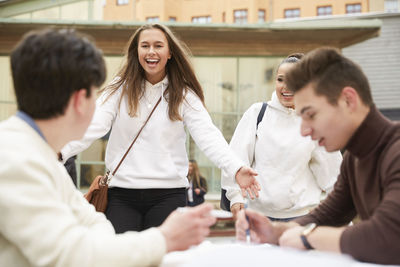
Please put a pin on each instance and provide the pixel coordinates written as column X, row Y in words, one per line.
column 261, row 15
column 353, row 8
column 201, row 19
column 292, row 13
column 172, row 19
column 152, row 19
column 122, row 2
column 240, row 16
column 391, row 6
column 324, row 10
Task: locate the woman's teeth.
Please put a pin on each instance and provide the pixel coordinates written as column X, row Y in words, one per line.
column 286, row 94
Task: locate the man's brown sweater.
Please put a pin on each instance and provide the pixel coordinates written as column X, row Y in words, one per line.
column 368, row 185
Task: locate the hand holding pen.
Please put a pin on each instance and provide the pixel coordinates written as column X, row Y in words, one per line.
column 256, row 227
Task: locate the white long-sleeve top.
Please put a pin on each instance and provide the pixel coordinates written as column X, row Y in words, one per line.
column 45, row 221
column 293, row 171
column 158, row 159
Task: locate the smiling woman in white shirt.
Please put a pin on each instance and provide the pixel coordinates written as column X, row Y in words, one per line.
column 151, row 181
column 294, row 172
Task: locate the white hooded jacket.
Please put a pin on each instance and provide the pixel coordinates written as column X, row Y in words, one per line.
column 158, row 159
column 294, row 171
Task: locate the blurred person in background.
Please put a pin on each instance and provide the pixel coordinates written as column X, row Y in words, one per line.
column 197, row 185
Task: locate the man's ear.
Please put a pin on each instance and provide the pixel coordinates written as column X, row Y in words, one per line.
column 78, row 101
column 350, row 96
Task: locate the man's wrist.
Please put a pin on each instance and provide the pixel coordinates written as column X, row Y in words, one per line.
column 280, row 228
column 308, row 229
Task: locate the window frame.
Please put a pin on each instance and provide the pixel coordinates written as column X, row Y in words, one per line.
column 264, row 17
column 353, row 5
column 122, row 2
column 324, row 7
column 153, row 19
column 391, row 6
column 243, row 19
column 201, row 19
column 291, row 9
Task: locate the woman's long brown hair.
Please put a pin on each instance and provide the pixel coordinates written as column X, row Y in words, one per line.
column 179, row 70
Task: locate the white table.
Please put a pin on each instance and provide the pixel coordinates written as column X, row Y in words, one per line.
column 228, row 252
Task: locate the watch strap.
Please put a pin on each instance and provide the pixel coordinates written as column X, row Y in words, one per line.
column 306, row 244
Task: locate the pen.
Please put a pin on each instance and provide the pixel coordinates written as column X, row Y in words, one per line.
column 248, row 240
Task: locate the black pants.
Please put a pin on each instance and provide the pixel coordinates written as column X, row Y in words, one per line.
column 139, row 209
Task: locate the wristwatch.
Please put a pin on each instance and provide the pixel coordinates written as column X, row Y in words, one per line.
column 307, row 230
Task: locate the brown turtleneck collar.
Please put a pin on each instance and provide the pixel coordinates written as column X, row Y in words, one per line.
column 367, row 135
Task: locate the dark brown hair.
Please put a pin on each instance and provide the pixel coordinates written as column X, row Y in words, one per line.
column 49, row 65
column 179, row 70
column 329, row 72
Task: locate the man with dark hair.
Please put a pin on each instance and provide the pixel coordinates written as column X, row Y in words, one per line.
column 55, row 66
column 44, row 220
column 333, row 97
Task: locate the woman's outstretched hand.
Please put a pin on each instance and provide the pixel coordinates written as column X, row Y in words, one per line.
column 245, row 178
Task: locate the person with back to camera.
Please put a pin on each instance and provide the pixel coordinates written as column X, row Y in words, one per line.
column 333, row 97
column 152, row 180
column 294, row 172
column 197, row 185
column 44, row 220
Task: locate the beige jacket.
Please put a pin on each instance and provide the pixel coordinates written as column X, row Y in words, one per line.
column 45, row 221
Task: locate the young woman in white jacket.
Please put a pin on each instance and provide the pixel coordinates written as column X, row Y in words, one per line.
column 151, row 181
column 293, row 171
